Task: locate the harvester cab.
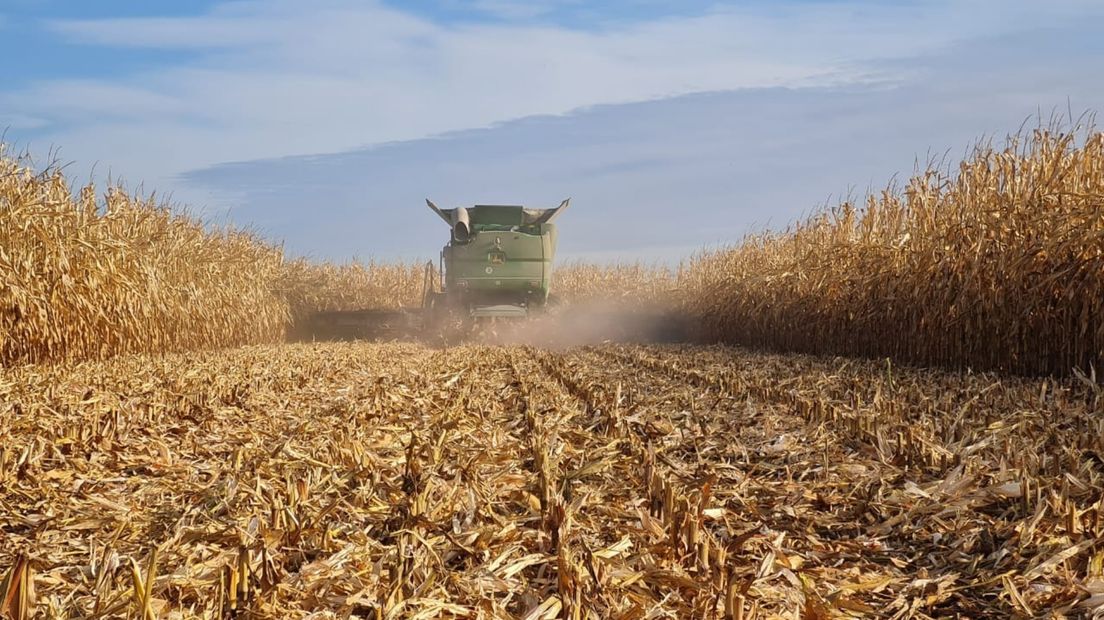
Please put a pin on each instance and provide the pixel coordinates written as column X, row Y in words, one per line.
column 498, row 261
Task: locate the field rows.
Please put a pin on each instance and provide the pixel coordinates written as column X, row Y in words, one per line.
column 398, row 481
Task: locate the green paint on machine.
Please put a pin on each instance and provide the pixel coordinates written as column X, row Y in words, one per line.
column 498, row 261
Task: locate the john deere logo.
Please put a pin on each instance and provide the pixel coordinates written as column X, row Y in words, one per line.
column 496, row 258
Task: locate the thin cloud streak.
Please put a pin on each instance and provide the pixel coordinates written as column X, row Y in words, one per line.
column 282, row 78
column 655, row 180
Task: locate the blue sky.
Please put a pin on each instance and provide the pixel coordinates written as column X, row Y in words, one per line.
column 323, row 124
column 28, row 36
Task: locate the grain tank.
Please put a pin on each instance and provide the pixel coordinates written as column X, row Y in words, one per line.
column 498, row 261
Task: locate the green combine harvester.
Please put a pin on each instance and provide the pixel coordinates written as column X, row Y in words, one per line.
column 498, row 262
column 497, row 265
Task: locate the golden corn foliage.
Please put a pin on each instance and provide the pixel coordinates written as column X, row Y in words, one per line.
column 580, row 282
column 84, row 280
column 315, row 287
column 998, row 265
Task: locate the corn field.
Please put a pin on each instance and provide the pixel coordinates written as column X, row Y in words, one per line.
column 81, row 279
column 625, row 282
column 176, row 459
column 88, row 277
column 318, row 287
column 997, row 266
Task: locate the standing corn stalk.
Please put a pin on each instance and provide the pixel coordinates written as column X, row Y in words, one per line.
column 999, row 265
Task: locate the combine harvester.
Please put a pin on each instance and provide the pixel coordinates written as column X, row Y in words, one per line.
column 497, row 265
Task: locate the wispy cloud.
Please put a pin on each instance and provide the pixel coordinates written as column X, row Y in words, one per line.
column 284, row 77
column 514, row 10
column 657, row 180
column 21, row 122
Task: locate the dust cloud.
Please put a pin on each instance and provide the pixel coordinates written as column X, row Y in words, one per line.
column 561, row 327
column 583, row 324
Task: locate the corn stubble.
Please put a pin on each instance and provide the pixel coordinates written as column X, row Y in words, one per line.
column 397, row 481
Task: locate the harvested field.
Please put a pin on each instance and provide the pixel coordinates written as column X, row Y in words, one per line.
column 399, row 481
